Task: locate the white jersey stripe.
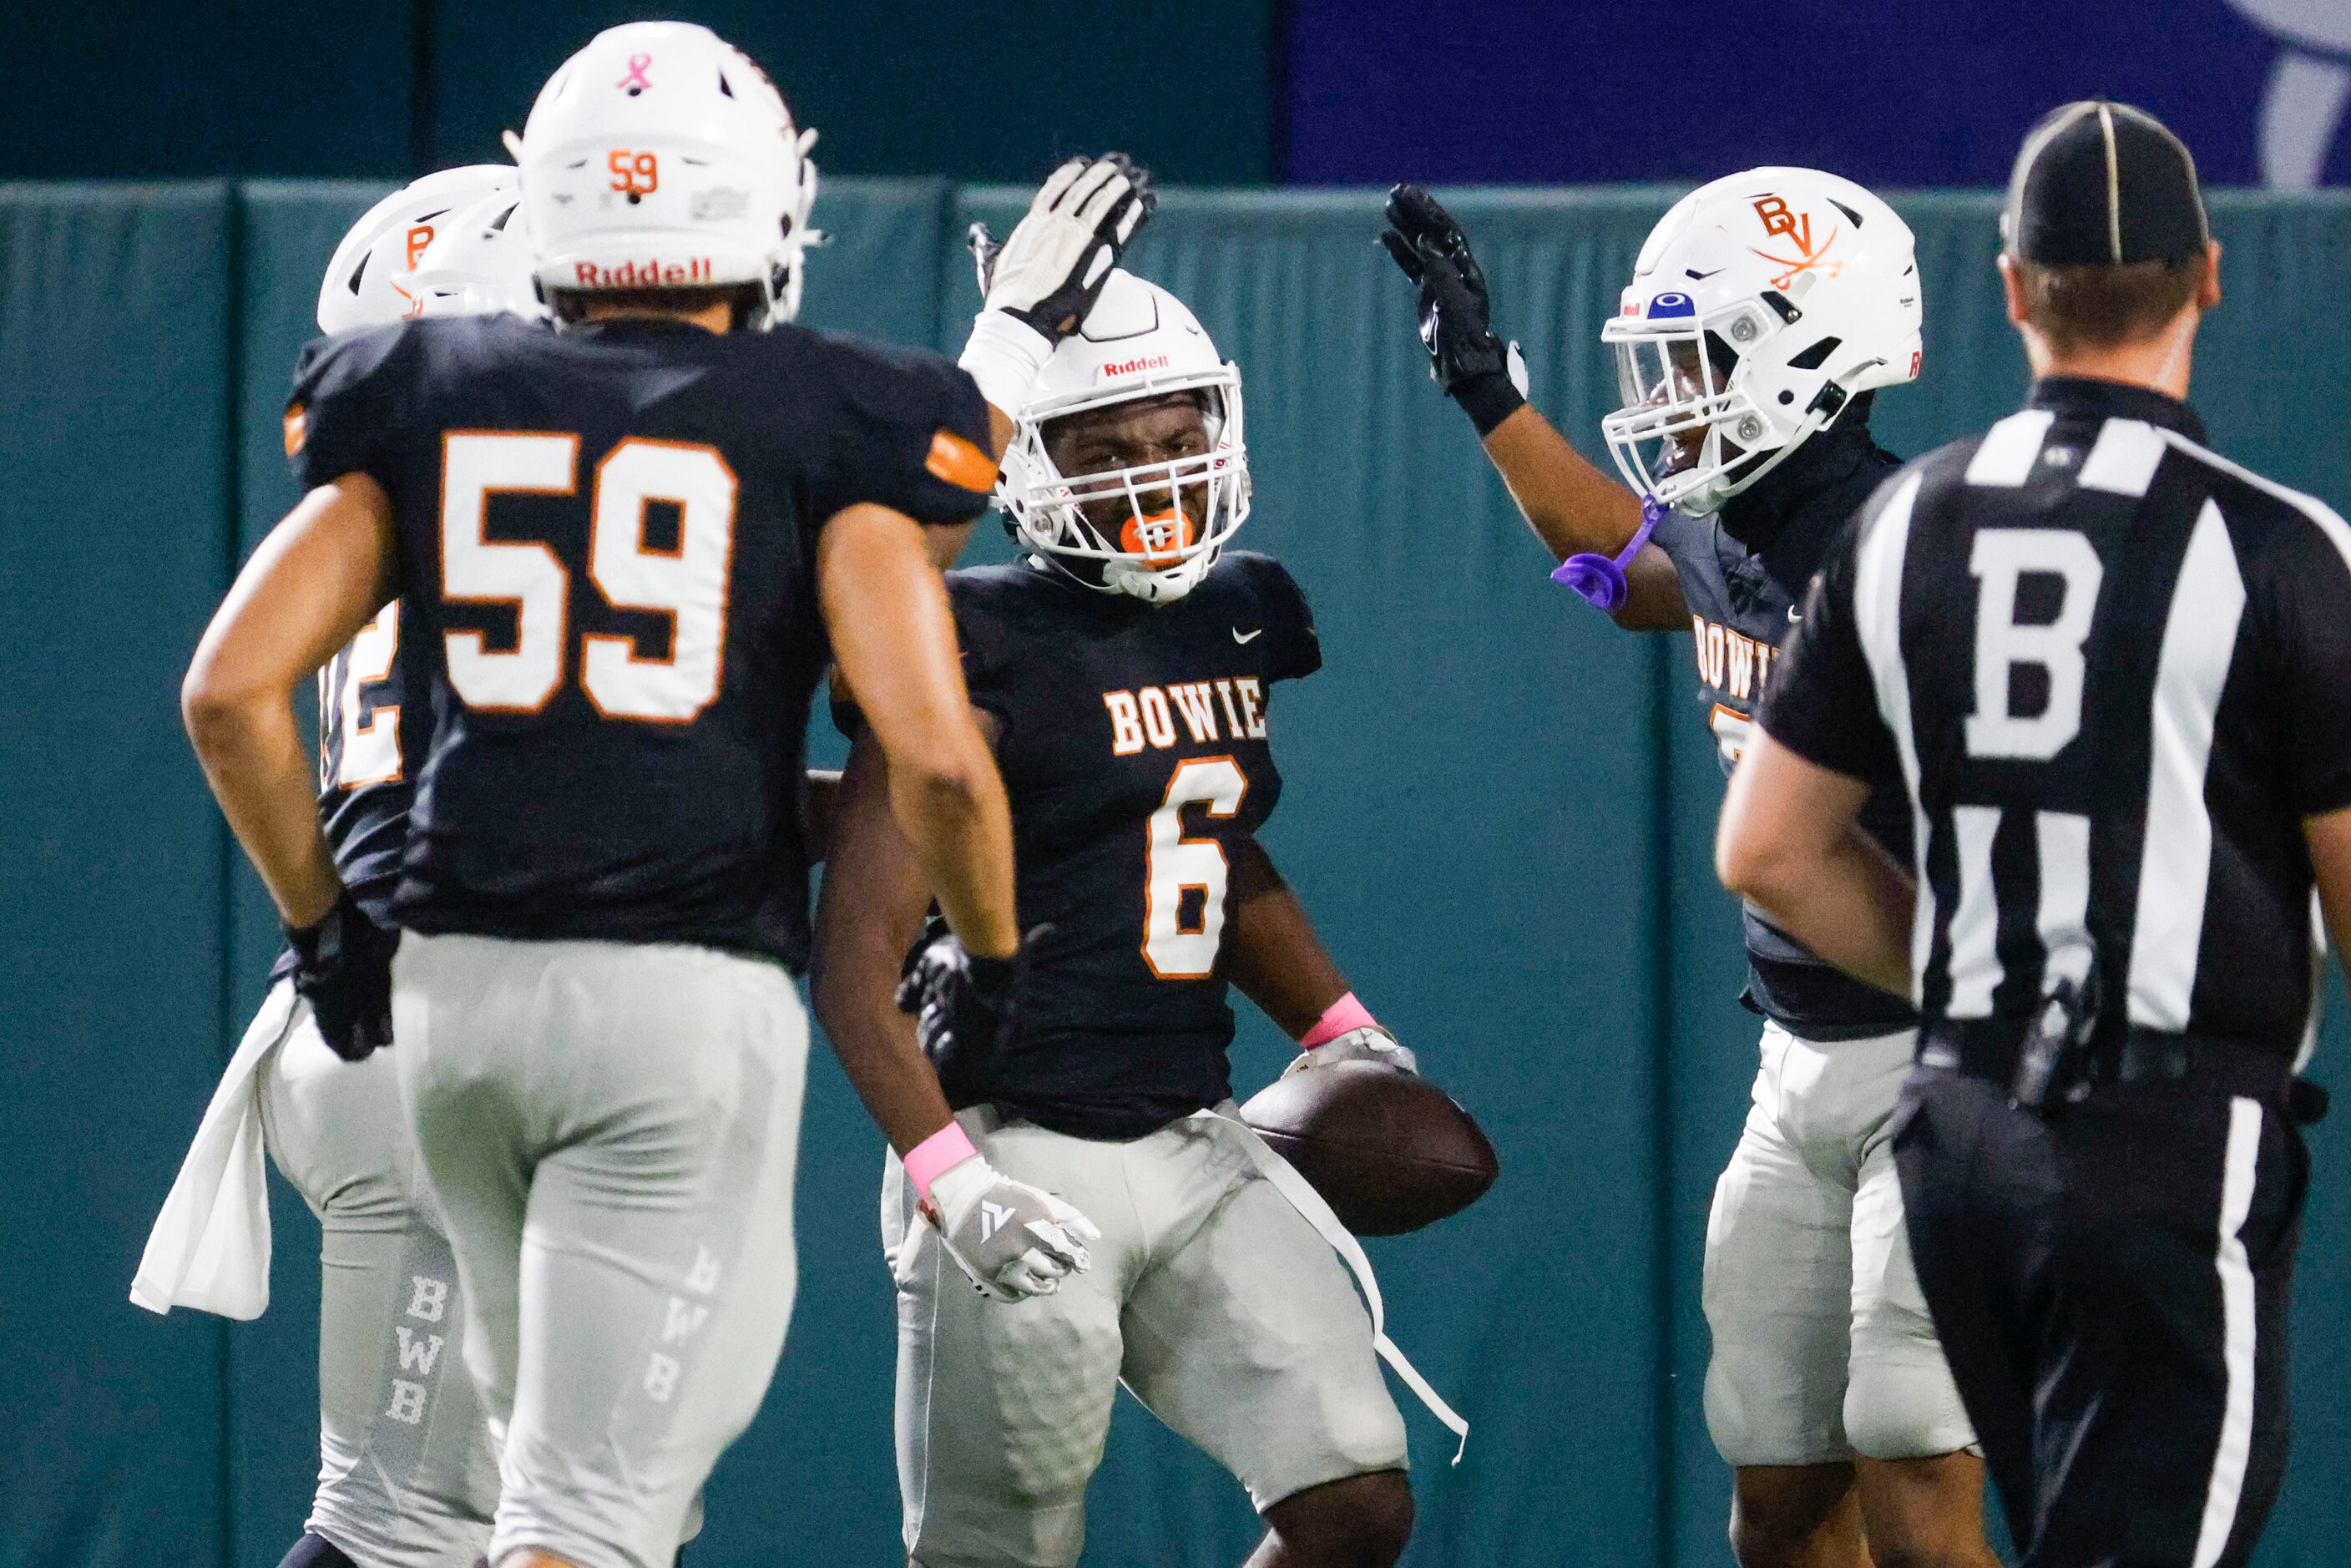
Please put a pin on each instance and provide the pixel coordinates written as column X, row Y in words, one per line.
column 2063, row 839
column 1877, row 614
column 2234, row 1451
column 2337, row 532
column 2123, row 459
column 2199, row 639
column 2006, row 453
column 1975, row 919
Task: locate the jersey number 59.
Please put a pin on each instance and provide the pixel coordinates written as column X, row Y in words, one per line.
column 1175, row 866
column 687, row 583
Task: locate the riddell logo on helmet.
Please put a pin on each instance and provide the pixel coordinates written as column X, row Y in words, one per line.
column 642, row 274
column 1129, row 367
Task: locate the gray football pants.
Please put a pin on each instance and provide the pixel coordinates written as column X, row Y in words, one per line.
column 407, row 1474
column 610, row 1131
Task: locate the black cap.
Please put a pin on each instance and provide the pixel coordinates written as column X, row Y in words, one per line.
column 2100, row 184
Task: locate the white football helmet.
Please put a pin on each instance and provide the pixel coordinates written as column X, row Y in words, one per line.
column 1138, row 341
column 1759, row 306
column 366, row 282
column 661, row 157
column 479, row 263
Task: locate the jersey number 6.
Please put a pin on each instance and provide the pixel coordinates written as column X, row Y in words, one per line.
column 1174, row 865
column 686, row 583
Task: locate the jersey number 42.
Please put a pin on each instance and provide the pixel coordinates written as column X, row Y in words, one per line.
column 687, row 583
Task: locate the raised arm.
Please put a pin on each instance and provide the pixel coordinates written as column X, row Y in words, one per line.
column 1572, row 506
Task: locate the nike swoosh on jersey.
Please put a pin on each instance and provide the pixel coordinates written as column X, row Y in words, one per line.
column 1251, row 638
column 1793, row 619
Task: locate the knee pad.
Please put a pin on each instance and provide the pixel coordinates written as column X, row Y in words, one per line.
column 315, row 1551
column 1905, row 1409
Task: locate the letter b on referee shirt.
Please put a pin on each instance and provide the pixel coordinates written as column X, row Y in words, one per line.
column 2002, row 558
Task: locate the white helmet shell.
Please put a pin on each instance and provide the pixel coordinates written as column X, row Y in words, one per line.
column 1759, row 306
column 661, row 157
column 1138, row 341
column 366, row 282
column 479, row 263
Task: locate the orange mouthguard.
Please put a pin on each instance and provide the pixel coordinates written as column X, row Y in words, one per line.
column 1158, row 539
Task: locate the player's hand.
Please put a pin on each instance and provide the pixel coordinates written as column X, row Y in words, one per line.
column 962, row 1006
column 1479, row 371
column 342, row 968
column 1370, row 1044
column 1049, row 271
column 1012, row 1240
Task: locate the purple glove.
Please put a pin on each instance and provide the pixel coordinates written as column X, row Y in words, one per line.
column 1601, row 578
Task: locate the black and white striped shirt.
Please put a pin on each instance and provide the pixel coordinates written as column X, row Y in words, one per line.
column 2116, row 670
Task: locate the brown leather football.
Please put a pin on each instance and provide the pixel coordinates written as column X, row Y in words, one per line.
column 1389, row 1152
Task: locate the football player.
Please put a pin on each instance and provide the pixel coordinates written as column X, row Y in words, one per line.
column 1123, row 671
column 1765, row 310
column 407, row 1475
column 622, row 548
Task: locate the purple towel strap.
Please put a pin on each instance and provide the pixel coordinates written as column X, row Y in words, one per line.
column 1601, row 578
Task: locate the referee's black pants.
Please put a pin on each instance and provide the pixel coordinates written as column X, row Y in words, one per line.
column 2110, row 1288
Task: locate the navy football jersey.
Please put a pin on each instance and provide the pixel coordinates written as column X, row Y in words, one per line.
column 1743, row 573
column 1133, row 741
column 606, row 550
column 363, row 774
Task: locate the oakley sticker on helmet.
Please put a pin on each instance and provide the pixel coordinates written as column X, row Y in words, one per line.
column 1796, row 229
column 1671, row 304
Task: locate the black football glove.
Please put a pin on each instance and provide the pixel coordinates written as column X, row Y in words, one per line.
column 963, row 1006
column 1049, row 271
column 342, row 968
column 1477, row 369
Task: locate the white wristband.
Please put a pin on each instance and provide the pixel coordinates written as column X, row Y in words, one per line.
column 1005, row 355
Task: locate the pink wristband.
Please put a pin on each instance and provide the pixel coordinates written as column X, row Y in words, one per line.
column 950, row 1145
column 1340, row 1017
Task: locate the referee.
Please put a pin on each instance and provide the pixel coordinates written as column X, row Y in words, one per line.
column 2114, row 669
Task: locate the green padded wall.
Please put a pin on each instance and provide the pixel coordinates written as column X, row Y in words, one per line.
column 115, row 454
column 1498, row 806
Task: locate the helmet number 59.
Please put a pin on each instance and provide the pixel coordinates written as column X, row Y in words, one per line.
column 635, row 173
column 1175, row 866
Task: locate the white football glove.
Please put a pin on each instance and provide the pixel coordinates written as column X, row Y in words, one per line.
column 1050, row 269
column 1370, row 1044
column 1040, row 283
column 1011, row 1240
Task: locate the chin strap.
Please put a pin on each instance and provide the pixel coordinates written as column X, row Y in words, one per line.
column 1601, row 578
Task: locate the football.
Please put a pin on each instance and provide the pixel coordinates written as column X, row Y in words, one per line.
column 1388, row 1151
